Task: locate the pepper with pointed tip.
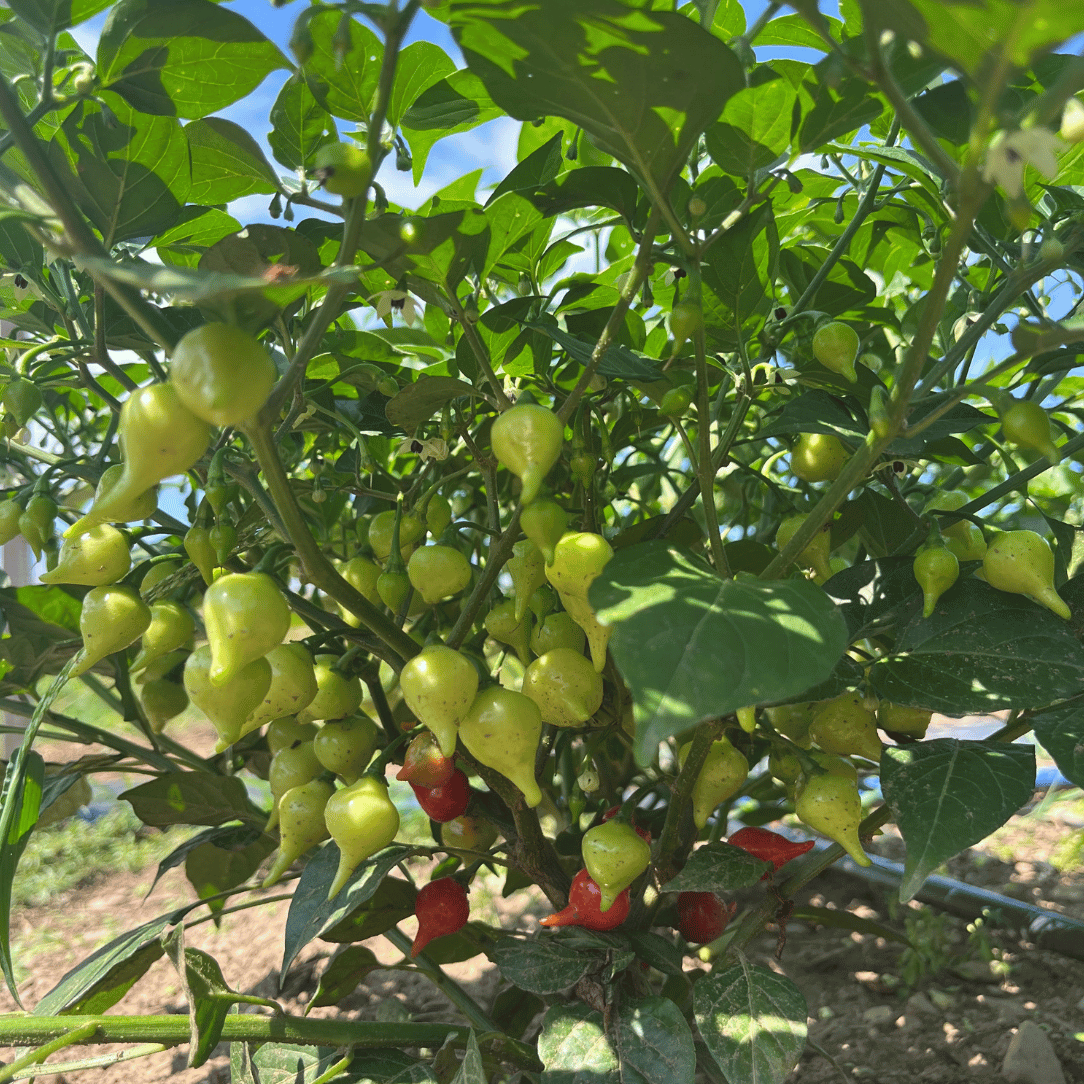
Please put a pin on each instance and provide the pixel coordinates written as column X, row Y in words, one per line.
column 171, row 627
column 502, row 730
column 228, row 705
column 424, row 765
column 585, row 907
column 438, row 572
column 527, row 567
column 936, row 569
column 439, row 686
column 723, row 774
column 702, row 916
column 845, row 726
column 301, row 824
column 830, row 804
column 246, row 615
column 290, row 767
column 503, row 625
column 441, row 908
column 835, row 346
column 527, row 439
column 1022, row 563
column 565, row 686
column 292, row 689
column 345, row 746
column 112, row 618
column 142, row 507
column 1027, row 424
column 337, row 695
column 544, row 522
column 99, row 557
column 614, row 854
column 362, row 820
column 578, row 560
column 769, row 846
column 818, row 550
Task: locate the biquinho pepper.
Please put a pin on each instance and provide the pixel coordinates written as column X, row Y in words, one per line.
column 845, row 726
column 446, row 801
column 99, row 557
column 558, row 630
column 1027, row 424
column 936, row 569
column 292, row 688
column 345, row 746
column 565, row 686
column 439, row 686
column 171, row 627
column 835, row 346
column 818, row 457
column 246, row 615
column 830, row 804
column 438, row 514
column 722, row 776
column 441, row 908
column 9, row 520
column 1022, row 563
column 424, row 765
column 160, row 436
column 162, row 700
column 614, row 854
column 527, row 567
column 143, row 507
column 502, row 730
column 545, row 523
column 577, row 561
column 226, row 705
column 769, row 846
column 301, row 824
column 526, row 440
column 112, row 618
column 362, row 820
column 290, row 767
column 438, row 572
column 337, row 695
column 344, row 169
column 503, row 625
column 222, row 373
column 36, row 522
column 201, row 552
column 286, row 733
column 468, row 833
column 411, row 530
column 702, row 916
column 362, row 574
column 899, row 719
column 585, row 907
column 817, row 552
column 158, row 571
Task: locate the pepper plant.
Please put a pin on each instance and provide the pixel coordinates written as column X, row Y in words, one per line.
column 600, row 485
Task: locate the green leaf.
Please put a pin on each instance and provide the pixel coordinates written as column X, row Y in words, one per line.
column 341, row 977
column 692, row 646
column 417, row 68
column 544, row 966
column 52, row 604
column 592, row 186
column 345, row 82
column 654, row 1042
column 886, row 524
column 618, row 361
column 471, row 1070
column 981, row 651
column 450, row 106
column 816, row 412
column 206, row 991
column 50, row 17
column 392, row 902
column 278, row 1063
column 105, row 976
column 300, row 125
column 577, row 58
column 946, row 795
column 212, row 868
column 738, row 273
column 228, row 838
column 451, row 245
column 182, row 58
column 190, row 798
column 415, row 404
column 754, row 129
column 128, row 171
column 198, row 229
column 839, row 107
column 1061, row 733
column 752, row 1020
column 227, row 163
column 718, row 867
column 574, row 1048
column 795, row 31
column 311, row 912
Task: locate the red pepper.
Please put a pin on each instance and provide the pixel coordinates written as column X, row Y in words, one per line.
column 441, row 908
column 769, row 846
column 702, row 916
column 424, row 764
column 446, row 802
column 584, row 899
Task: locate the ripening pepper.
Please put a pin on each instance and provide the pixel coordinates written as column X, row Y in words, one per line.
column 301, row 824
column 769, row 846
column 723, row 774
column 362, row 820
column 468, row 833
column 246, row 615
column 614, row 854
column 99, row 557
column 527, row 439
column 502, row 730
column 439, row 686
column 565, row 686
column 830, row 804
column 424, row 765
column 578, row 559
column 226, row 705
column 585, row 907
column 441, row 908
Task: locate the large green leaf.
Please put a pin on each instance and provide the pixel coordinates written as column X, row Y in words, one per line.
column 183, row 58
column 654, row 1042
column 418, row 67
column 578, row 59
column 754, row 129
column 227, row 162
column 752, row 1020
column 980, row 651
column 50, row 17
column 300, row 125
column 190, row 798
column 341, row 977
column 718, row 867
column 546, row 966
column 574, row 1047
column 344, row 80
column 692, row 646
column 946, row 795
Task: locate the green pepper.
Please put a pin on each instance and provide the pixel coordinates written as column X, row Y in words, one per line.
column 227, row 704
column 565, row 686
column 112, row 617
column 577, row 561
column 362, row 820
column 502, row 730
column 99, row 557
column 438, row 572
column 246, row 615
column 439, row 686
column 614, row 855
column 171, row 627
column 526, row 440
column 302, row 826
column 293, row 686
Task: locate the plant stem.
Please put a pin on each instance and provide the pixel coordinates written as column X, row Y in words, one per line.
column 316, row 567
column 705, row 467
column 499, row 553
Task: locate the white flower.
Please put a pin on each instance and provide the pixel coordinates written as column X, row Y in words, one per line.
column 433, row 448
column 387, row 300
column 1009, row 154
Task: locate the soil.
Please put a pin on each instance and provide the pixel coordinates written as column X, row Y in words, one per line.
column 865, row 1020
